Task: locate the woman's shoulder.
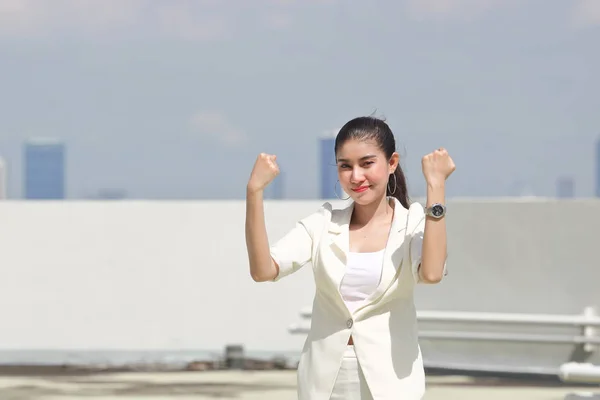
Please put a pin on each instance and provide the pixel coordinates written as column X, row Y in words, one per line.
column 321, row 214
column 415, row 217
column 325, row 214
column 416, row 209
column 411, row 215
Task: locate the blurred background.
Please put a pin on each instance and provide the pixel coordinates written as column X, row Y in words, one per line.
column 128, row 130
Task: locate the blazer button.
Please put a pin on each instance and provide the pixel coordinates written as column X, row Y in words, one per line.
column 349, row 323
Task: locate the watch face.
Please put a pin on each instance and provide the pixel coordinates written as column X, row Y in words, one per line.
column 437, row 210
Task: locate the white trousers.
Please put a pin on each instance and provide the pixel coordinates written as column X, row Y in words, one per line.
column 350, row 383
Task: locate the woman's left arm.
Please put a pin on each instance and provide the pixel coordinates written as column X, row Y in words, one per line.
column 437, row 167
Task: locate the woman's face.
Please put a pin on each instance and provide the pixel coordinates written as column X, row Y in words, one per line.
column 364, row 170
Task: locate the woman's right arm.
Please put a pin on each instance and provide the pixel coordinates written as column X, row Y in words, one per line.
column 262, row 266
column 290, row 252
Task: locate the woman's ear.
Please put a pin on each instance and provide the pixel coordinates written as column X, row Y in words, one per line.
column 394, row 160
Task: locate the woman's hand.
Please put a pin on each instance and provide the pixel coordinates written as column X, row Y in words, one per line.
column 437, row 167
column 264, row 171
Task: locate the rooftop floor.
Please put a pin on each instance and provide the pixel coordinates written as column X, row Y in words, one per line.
column 249, row 385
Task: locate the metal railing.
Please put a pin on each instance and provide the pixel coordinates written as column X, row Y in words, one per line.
column 580, row 373
column 587, row 324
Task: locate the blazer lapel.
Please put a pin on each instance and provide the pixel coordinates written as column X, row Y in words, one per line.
column 340, row 228
column 393, row 254
column 339, row 231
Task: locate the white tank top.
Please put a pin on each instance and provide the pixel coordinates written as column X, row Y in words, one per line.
column 362, row 276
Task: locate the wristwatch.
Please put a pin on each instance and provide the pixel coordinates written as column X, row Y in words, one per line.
column 436, row 210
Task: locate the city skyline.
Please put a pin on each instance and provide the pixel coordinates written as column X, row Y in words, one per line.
column 565, row 186
column 177, row 101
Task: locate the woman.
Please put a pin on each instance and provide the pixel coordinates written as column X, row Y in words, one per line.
column 366, row 259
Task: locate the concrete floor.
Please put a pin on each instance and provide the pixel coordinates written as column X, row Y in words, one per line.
column 261, row 385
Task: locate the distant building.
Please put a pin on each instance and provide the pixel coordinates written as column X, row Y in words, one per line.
column 110, row 194
column 598, row 168
column 521, row 188
column 328, row 169
column 44, row 172
column 3, row 180
column 565, row 188
column 275, row 189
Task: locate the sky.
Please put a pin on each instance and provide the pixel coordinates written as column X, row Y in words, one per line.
column 176, row 98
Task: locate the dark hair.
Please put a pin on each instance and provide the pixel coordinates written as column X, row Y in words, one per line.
column 372, row 128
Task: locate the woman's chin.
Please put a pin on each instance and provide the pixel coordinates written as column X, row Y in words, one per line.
column 365, row 198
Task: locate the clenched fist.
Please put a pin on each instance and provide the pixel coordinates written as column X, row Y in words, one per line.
column 264, row 171
column 437, row 166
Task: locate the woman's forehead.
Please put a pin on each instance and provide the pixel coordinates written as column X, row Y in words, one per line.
column 356, row 149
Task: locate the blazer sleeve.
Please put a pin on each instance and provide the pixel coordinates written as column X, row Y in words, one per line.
column 295, row 248
column 416, row 229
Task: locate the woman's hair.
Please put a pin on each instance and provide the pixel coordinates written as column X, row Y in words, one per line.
column 372, row 128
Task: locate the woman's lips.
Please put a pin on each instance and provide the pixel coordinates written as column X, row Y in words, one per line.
column 360, row 189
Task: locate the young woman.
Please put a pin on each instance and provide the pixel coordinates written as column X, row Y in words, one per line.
column 366, row 259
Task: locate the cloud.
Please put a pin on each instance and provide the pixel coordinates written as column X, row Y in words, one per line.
column 216, row 125
column 18, row 17
column 182, row 19
column 586, row 13
column 450, row 9
column 278, row 20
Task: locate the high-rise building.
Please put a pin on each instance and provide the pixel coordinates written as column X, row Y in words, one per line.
column 598, row 168
column 565, row 188
column 328, row 169
column 275, row 189
column 3, row 179
column 44, row 173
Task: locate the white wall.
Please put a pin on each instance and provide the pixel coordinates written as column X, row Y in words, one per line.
column 174, row 275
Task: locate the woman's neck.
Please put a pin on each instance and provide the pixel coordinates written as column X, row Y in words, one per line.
column 364, row 214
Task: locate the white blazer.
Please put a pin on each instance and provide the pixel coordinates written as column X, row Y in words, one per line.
column 384, row 328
